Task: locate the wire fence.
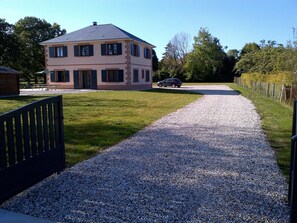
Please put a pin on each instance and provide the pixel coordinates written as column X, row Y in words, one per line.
column 281, row 92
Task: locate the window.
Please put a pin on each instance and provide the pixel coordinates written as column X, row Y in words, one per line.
column 58, row 51
column 110, row 49
column 135, row 75
column 112, row 75
column 59, row 76
column 135, row 50
column 147, row 75
column 83, row 50
column 142, row 74
column 147, row 53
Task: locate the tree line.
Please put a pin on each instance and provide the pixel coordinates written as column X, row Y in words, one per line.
column 207, row 61
column 19, row 44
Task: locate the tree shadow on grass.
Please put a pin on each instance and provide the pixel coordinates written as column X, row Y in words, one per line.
column 195, row 90
column 169, row 91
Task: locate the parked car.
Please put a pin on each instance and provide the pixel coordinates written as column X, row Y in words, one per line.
column 173, row 82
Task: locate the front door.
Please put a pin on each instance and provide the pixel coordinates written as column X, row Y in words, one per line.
column 86, row 79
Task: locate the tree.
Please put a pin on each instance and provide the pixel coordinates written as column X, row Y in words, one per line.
column 174, row 58
column 269, row 57
column 247, row 59
column 206, row 61
column 249, row 48
column 9, row 45
column 31, row 31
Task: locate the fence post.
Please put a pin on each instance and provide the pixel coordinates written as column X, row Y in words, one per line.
column 273, row 91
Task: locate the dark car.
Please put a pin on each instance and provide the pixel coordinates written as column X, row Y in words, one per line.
column 173, row 82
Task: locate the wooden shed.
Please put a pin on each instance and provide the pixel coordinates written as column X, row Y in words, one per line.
column 9, row 81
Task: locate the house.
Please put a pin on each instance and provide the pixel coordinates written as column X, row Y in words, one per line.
column 99, row 57
column 9, row 81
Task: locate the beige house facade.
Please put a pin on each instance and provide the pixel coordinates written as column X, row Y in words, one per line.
column 99, row 57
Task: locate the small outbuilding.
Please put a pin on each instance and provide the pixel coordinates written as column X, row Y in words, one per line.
column 9, row 81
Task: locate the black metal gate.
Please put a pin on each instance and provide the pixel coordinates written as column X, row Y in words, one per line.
column 31, row 145
column 292, row 195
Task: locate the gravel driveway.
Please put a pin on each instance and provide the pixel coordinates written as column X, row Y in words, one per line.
column 207, row 162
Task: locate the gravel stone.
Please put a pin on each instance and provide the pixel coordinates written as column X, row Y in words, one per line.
column 206, row 162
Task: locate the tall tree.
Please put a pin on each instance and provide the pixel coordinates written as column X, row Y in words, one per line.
column 9, row 45
column 31, row 31
column 206, row 61
column 174, row 58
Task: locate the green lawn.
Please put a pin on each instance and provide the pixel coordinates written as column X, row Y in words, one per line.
column 94, row 121
column 277, row 124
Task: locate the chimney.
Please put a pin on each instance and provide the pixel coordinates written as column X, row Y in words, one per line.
column 94, row 23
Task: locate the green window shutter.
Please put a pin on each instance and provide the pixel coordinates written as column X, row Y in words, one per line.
column 121, row 75
column 76, row 79
column 119, row 49
column 91, row 50
column 65, row 51
column 53, row 79
column 76, row 51
column 104, row 75
column 103, row 49
column 94, row 79
column 52, row 52
column 67, row 76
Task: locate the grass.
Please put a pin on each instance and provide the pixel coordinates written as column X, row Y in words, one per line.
column 277, row 123
column 95, row 121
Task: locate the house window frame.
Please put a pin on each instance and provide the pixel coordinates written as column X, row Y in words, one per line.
column 60, row 76
column 135, row 75
column 147, row 75
column 111, row 49
column 147, row 53
column 113, row 75
column 84, row 50
column 58, row 51
column 135, row 49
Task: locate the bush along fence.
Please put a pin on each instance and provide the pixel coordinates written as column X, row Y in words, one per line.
column 31, row 145
column 276, row 86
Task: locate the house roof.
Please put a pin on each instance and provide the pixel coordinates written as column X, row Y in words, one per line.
column 7, row 70
column 95, row 32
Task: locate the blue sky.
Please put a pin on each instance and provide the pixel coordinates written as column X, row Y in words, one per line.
column 233, row 22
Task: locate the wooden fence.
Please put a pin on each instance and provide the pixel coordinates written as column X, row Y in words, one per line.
column 272, row 90
column 31, row 145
